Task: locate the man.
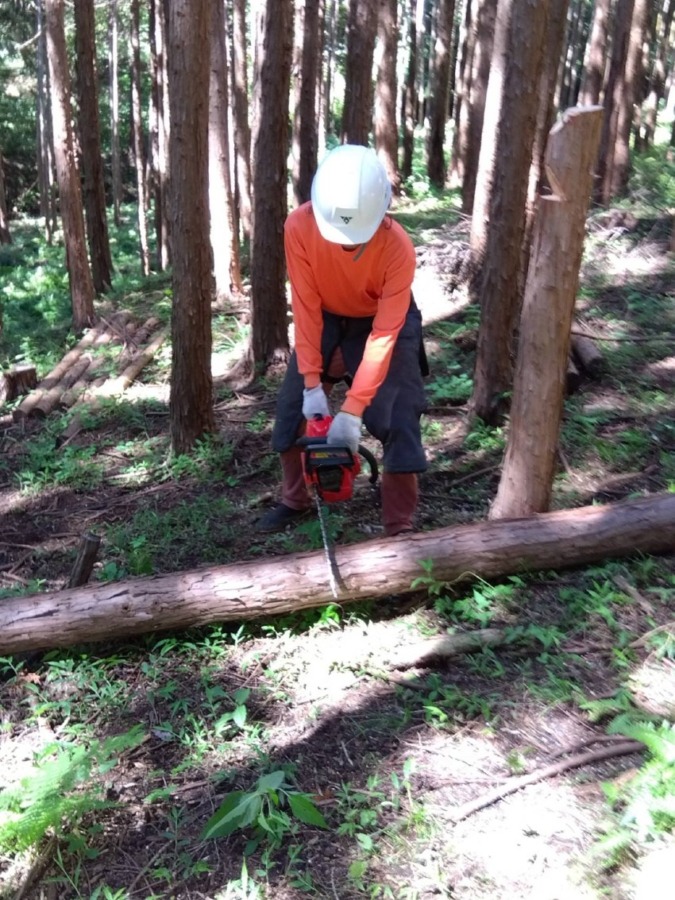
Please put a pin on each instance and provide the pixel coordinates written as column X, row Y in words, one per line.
column 351, row 268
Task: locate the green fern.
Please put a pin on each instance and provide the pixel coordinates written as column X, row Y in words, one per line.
column 647, row 801
column 62, row 788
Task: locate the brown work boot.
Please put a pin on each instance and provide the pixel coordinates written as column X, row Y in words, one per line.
column 399, row 493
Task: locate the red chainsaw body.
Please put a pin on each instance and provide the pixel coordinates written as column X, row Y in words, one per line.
column 329, row 468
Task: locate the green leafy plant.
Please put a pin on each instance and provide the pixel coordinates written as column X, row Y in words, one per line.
column 63, row 787
column 268, row 810
column 450, row 388
column 646, row 803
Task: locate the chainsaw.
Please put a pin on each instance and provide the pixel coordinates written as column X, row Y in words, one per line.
column 330, row 470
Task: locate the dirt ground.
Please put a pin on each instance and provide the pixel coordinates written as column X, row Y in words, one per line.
column 389, row 754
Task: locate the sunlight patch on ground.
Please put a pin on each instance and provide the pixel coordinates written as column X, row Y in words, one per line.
column 527, row 840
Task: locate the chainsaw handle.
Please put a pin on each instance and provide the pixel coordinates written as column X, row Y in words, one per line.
column 363, row 451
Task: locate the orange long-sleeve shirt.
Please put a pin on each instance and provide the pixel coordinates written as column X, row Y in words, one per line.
column 372, row 280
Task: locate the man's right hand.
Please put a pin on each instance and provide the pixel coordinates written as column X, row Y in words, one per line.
column 314, row 402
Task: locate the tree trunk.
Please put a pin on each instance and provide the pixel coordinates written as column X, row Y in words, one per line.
column 330, row 28
column 114, row 80
column 306, row 64
column 473, row 109
column 378, row 568
column 70, row 195
column 93, row 186
column 160, row 116
column 242, row 129
column 569, row 55
column 5, row 234
column 657, row 82
column 269, row 322
column 438, row 100
column 357, row 113
column 224, row 241
column 548, row 307
column 408, row 114
column 498, row 222
column 190, row 404
column 137, row 137
column 45, row 137
column 614, row 98
column 594, row 72
column 462, row 78
column 555, row 36
column 385, row 128
column 617, row 177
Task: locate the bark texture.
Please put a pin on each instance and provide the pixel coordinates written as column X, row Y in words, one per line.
column 90, row 144
column 137, row 134
column 269, row 323
column 240, row 110
column 357, row 114
column 306, row 72
column 438, row 101
column 70, row 193
column 614, row 99
column 594, row 71
column 378, row 568
column 5, row 234
column 190, row 404
column 498, row 222
column 224, row 241
column 385, row 127
column 548, row 307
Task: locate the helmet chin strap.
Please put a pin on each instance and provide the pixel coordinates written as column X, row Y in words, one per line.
column 359, row 252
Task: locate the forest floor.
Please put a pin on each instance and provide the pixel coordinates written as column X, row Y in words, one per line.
column 389, row 760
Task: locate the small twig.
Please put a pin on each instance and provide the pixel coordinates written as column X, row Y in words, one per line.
column 515, row 784
column 639, row 339
column 36, row 869
column 13, row 577
column 476, row 474
column 641, row 641
column 624, row 585
column 149, row 863
column 587, row 742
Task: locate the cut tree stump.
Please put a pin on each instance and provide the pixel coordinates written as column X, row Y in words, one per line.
column 84, row 562
column 17, row 381
column 380, row 568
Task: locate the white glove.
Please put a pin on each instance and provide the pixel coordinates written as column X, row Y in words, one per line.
column 314, row 402
column 345, row 429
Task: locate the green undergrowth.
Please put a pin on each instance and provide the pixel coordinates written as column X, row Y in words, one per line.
column 223, row 749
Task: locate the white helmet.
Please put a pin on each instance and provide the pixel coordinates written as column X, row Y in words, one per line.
column 350, row 194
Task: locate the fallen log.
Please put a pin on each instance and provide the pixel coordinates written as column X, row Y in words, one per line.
column 587, row 355
column 50, row 399
column 135, row 341
column 379, row 568
column 138, row 362
column 26, row 407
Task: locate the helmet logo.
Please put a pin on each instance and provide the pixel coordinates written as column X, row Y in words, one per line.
column 346, row 219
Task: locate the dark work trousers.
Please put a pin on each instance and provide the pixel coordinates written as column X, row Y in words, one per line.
column 393, row 417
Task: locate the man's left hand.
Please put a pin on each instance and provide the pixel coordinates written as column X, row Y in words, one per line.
column 345, row 429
